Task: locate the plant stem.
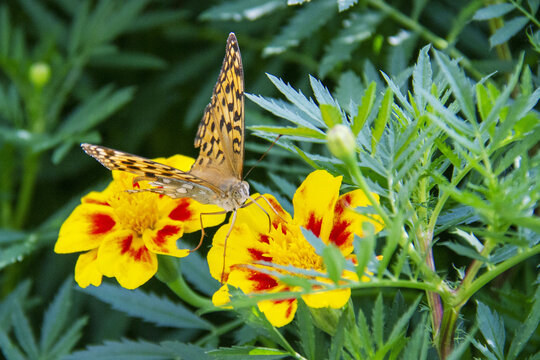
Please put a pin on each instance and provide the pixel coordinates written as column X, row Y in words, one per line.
column 26, row 191
column 216, row 332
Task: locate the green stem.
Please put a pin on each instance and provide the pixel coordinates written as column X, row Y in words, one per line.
column 26, row 191
column 466, row 293
column 170, row 273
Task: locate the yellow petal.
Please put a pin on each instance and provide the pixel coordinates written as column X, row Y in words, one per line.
column 189, row 211
column 222, row 297
column 163, row 237
column 314, row 202
column 279, row 312
column 85, row 228
column 86, row 270
column 123, row 255
column 333, row 298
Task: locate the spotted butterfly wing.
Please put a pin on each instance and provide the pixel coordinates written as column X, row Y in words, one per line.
column 220, row 136
column 170, row 181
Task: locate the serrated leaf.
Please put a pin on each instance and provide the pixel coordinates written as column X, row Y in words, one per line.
column 377, row 321
column 417, row 346
column 349, row 88
column 491, row 326
column 422, row 75
column 363, row 249
column 493, row 11
column 510, row 28
column 23, row 332
column 149, row 307
column 305, row 330
column 8, row 348
column 331, row 115
column 345, row 4
column 198, row 274
column 399, row 327
column 364, row 109
column 470, row 238
column 69, row 338
column 306, row 20
column 365, row 336
column 526, row 329
column 459, row 84
column 55, row 316
column 382, row 118
column 314, row 241
column 338, row 339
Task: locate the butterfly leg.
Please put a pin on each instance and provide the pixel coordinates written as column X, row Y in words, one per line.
column 254, row 201
column 202, row 227
column 225, row 246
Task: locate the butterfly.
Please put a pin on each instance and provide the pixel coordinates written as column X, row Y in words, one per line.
column 216, row 176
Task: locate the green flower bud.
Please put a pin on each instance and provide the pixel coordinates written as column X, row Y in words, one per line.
column 341, row 142
column 39, row 74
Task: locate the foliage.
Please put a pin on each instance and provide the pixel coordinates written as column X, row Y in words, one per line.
column 442, row 101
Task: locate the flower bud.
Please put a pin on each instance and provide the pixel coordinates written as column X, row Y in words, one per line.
column 39, row 74
column 341, row 142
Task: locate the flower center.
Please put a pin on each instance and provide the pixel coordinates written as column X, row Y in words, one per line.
column 135, row 211
column 293, row 249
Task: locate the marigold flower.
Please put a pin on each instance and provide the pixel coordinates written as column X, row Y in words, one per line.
column 319, row 208
column 121, row 233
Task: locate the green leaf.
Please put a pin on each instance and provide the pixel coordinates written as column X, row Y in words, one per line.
column 55, row 316
column 299, row 131
column 418, row 344
column 306, row 20
column 8, row 348
column 248, row 353
column 129, row 60
column 149, row 307
column 422, row 75
column 493, row 11
column 483, row 101
column 305, row 330
column 242, row 10
column 527, row 328
column 382, row 118
column 364, row 109
column 69, row 338
column 331, row 115
column 134, row 350
column 363, row 248
column 492, row 327
column 349, row 89
column 338, row 339
column 23, row 332
column 459, row 84
column 365, row 339
column 334, row 262
column 399, row 327
column 377, row 319
column 509, row 29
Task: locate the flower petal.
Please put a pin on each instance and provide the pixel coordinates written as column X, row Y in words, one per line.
column 162, row 239
column 189, row 212
column 279, row 312
column 123, row 255
column 222, row 297
column 333, row 298
column 85, row 228
column 314, row 202
column 347, row 222
column 86, row 269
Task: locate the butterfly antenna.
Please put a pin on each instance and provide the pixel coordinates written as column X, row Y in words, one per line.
column 262, row 156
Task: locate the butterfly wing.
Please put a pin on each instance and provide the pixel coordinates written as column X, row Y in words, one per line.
column 220, row 136
column 170, row 181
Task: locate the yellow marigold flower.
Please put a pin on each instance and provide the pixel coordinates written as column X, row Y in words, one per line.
column 121, row 233
column 319, row 208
